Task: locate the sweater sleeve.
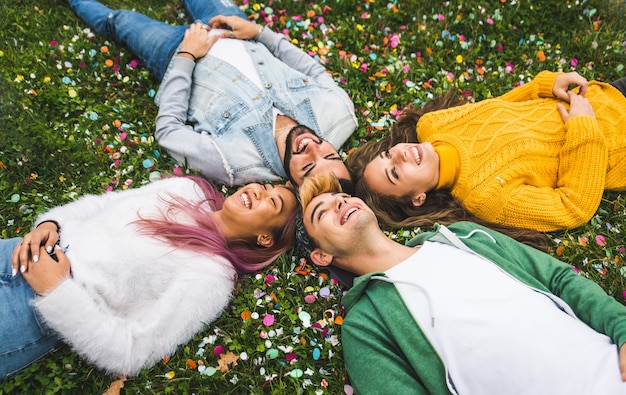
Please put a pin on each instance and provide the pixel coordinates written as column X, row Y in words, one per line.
column 124, row 343
column 586, row 298
column 375, row 362
column 581, row 178
column 174, row 134
column 540, row 87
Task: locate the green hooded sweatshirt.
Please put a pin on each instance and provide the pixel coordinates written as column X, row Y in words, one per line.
column 385, row 350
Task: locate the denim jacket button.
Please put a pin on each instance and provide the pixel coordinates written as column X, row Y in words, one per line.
column 227, row 115
column 268, row 85
column 305, row 81
column 261, row 61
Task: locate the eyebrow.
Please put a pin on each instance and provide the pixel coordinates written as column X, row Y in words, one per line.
column 282, row 201
column 317, row 206
column 386, row 171
column 310, row 169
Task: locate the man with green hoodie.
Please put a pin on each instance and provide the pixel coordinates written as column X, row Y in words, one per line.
column 462, row 309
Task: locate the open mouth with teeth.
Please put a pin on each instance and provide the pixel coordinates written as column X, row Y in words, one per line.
column 347, row 214
column 415, row 151
column 303, row 141
column 245, row 199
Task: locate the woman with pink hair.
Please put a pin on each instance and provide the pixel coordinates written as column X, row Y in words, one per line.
column 126, row 277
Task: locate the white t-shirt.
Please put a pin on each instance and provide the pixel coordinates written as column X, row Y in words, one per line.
column 497, row 335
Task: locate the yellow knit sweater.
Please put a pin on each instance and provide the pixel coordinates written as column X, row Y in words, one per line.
column 516, row 163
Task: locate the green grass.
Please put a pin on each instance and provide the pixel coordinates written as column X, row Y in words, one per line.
column 77, row 117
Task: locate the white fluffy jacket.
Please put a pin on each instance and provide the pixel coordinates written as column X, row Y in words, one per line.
column 131, row 299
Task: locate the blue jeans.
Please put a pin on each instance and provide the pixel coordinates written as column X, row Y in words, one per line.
column 153, row 42
column 23, row 337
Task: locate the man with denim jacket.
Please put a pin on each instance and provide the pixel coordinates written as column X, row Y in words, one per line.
column 462, row 309
column 239, row 105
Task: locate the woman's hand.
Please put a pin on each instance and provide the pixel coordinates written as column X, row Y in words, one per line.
column 241, row 28
column 45, row 275
column 578, row 106
column 563, row 82
column 45, row 235
column 196, row 41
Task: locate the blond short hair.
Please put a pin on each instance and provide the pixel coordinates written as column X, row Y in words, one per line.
column 316, row 185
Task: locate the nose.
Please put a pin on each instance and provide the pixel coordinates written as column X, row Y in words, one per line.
column 340, row 200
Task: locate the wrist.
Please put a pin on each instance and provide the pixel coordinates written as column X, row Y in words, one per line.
column 51, row 221
column 259, row 31
column 188, row 55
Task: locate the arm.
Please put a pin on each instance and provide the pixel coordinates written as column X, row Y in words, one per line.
column 176, row 136
column 172, row 131
column 548, row 84
column 278, row 45
column 370, row 353
column 580, row 184
column 125, row 342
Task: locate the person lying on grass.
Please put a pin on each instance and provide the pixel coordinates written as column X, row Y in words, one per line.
column 538, row 157
column 237, row 102
column 125, row 277
column 462, row 309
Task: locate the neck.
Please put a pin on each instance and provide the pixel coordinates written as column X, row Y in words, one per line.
column 281, row 129
column 230, row 229
column 379, row 256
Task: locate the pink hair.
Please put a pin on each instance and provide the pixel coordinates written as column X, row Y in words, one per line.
column 204, row 236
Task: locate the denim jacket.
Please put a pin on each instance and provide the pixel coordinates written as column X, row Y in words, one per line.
column 219, row 122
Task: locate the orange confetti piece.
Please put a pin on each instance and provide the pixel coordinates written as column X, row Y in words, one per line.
column 310, row 13
column 559, row 250
column 165, row 360
column 108, row 63
column 246, row 315
column 339, row 320
column 541, row 56
column 583, row 241
column 117, row 123
column 324, row 275
column 192, row 364
column 104, row 49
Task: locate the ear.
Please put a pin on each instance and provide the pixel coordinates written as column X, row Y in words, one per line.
column 418, row 200
column 320, row 258
column 290, row 185
column 265, row 240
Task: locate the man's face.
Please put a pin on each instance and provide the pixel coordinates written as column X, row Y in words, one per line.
column 338, row 223
column 307, row 154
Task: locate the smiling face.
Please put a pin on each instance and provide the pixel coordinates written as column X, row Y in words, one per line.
column 338, row 223
column 405, row 170
column 259, row 209
column 307, row 154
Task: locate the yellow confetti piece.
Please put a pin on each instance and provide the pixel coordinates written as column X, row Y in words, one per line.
column 72, row 93
column 170, row 375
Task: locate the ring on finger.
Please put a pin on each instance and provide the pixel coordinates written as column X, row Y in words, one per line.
column 232, row 35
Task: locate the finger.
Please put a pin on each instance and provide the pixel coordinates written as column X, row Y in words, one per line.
column 61, row 257
column 563, row 112
column 217, row 21
column 15, row 260
column 23, row 255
